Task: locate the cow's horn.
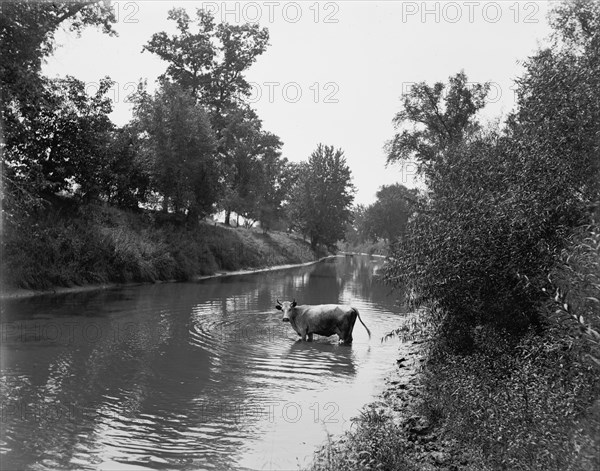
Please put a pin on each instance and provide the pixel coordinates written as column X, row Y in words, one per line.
column 278, row 302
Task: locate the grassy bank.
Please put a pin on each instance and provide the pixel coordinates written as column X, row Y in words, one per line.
column 527, row 403
column 72, row 245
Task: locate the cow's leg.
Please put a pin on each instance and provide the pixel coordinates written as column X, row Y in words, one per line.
column 349, row 327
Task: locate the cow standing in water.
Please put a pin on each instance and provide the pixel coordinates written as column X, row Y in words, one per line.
column 323, row 319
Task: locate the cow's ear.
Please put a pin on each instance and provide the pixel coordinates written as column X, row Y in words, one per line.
column 294, row 303
column 278, row 307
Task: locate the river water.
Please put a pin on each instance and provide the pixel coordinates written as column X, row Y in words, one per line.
column 198, row 375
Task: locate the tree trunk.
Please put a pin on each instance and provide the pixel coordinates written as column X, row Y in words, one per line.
column 193, row 217
column 314, row 241
column 227, row 217
column 165, row 207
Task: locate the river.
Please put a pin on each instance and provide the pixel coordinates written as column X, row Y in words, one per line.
column 200, row 375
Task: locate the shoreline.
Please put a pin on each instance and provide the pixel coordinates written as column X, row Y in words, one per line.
column 21, row 293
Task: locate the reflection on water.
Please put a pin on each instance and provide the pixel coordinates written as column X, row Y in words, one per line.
column 188, row 375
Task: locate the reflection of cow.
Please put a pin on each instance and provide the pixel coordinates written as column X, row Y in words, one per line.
column 324, row 319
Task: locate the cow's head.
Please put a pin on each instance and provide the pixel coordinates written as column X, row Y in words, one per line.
column 287, row 308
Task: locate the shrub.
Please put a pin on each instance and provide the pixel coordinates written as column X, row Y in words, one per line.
column 521, row 403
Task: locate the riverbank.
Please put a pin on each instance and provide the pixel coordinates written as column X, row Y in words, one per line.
column 526, row 404
column 392, row 433
column 23, row 293
column 96, row 247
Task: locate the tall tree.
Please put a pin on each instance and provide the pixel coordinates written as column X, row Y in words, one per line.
column 209, row 60
column 242, row 166
column 322, row 197
column 275, row 187
column 439, row 117
column 130, row 171
column 180, row 144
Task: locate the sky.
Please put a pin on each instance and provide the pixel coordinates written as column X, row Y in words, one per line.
column 334, row 72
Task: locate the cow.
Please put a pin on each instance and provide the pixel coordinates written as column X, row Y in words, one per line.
column 323, row 319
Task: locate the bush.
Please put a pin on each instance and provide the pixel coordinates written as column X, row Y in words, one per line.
column 524, row 404
column 575, row 292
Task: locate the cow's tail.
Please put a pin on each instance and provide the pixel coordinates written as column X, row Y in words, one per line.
column 358, row 315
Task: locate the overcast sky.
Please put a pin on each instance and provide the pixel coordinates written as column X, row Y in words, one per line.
column 334, row 71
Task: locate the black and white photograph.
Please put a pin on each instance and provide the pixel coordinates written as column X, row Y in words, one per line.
column 300, row 235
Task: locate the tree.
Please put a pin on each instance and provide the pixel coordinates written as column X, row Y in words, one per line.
column 555, row 130
column 210, row 61
column 64, row 145
column 180, row 146
column 357, row 231
column 130, row 182
column 275, row 187
column 388, row 216
column 322, row 196
column 36, row 148
column 440, row 117
column 27, row 37
column 502, row 202
column 243, row 166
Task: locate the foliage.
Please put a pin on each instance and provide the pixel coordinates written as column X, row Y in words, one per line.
column 387, row 218
column 525, row 404
column 252, row 165
column 575, row 292
column 179, row 144
column 375, row 443
column 501, row 202
column 210, row 61
column 130, row 184
column 33, row 161
column 63, row 146
column 440, row 117
column 27, row 37
column 321, row 196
